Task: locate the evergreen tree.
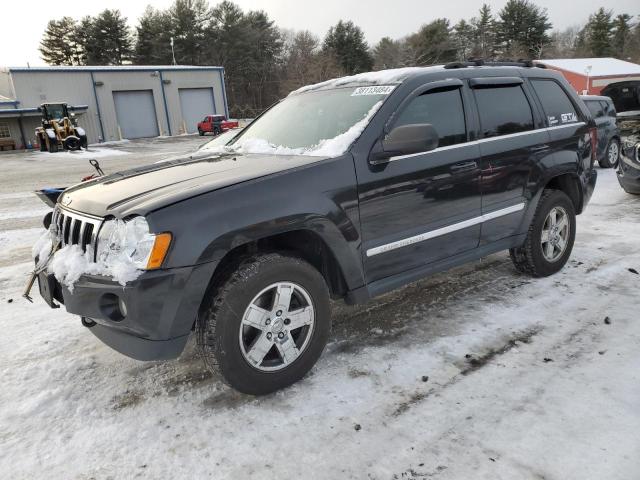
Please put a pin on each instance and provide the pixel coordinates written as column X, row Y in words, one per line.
column 622, row 35
column 522, row 29
column 485, row 34
column 388, row 53
column 464, row 36
column 433, row 43
column 153, row 38
column 345, row 41
column 108, row 40
column 190, row 20
column 599, row 32
column 59, row 45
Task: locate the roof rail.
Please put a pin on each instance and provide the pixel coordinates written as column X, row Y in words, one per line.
column 483, row 63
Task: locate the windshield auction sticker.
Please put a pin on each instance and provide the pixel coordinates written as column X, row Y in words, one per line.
column 374, row 90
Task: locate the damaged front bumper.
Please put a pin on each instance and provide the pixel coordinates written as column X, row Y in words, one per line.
column 150, row 318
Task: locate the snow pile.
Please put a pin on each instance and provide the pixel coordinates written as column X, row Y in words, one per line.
column 331, row 147
column 91, row 153
column 376, row 78
column 70, row 263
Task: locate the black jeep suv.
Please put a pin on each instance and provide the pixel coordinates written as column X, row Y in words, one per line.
column 346, row 190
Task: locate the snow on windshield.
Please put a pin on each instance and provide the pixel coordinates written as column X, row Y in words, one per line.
column 330, row 147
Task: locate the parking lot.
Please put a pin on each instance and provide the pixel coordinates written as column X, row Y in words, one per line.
column 479, row 372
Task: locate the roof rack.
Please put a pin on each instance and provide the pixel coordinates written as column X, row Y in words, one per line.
column 483, row 63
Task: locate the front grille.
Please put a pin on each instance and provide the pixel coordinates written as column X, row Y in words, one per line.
column 76, row 229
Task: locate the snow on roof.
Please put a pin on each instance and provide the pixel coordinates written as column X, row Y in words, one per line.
column 600, row 67
column 380, row 77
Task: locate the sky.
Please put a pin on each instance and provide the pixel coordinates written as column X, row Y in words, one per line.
column 25, row 21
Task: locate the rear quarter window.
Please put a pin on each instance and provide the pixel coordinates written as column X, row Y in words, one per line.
column 557, row 105
column 503, row 110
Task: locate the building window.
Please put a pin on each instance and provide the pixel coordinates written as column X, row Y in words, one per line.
column 5, row 132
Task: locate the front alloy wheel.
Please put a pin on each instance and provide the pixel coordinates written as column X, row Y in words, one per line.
column 277, row 326
column 267, row 323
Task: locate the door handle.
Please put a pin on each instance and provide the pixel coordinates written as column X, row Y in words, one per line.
column 464, row 166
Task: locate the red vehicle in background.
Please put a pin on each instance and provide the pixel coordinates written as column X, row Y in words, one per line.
column 216, row 124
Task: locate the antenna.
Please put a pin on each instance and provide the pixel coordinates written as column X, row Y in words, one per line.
column 173, row 53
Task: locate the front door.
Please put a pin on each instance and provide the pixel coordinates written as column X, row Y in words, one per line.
column 421, row 208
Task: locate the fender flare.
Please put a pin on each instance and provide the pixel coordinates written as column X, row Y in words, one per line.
column 50, row 133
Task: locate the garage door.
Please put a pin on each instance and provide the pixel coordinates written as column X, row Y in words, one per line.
column 195, row 104
column 136, row 113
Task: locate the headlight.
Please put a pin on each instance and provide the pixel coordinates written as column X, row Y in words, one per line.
column 130, row 241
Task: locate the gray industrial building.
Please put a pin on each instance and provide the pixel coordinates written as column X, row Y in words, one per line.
column 111, row 102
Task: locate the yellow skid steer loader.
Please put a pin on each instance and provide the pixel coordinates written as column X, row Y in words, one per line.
column 59, row 129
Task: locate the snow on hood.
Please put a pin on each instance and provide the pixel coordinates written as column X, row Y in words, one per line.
column 331, row 147
column 376, row 78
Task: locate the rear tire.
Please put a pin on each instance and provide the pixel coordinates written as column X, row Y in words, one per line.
column 260, row 344
column 611, row 155
column 53, row 146
column 43, row 143
column 540, row 258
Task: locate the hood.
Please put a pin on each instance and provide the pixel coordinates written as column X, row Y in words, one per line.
column 147, row 188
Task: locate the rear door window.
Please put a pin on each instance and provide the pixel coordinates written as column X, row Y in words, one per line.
column 503, row 110
column 595, row 108
column 557, row 105
column 443, row 110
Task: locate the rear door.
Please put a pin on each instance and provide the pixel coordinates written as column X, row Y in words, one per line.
column 569, row 136
column 421, row 208
column 511, row 145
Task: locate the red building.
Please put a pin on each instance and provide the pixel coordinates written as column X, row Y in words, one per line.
column 591, row 75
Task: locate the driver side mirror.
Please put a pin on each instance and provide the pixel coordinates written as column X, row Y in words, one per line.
column 409, row 139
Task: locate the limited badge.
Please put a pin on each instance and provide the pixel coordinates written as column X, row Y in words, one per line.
column 374, row 90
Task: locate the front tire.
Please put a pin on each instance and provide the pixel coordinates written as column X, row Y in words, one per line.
column 267, row 323
column 612, row 155
column 200, row 132
column 550, row 237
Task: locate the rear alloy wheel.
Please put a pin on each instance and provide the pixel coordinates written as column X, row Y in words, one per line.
column 267, row 324
column 550, row 237
column 612, row 155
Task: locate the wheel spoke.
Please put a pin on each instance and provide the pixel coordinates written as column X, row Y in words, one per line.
column 300, row 318
column 256, row 317
column 259, row 349
column 548, row 250
column 553, row 216
column 287, row 349
column 283, row 297
column 563, row 223
column 561, row 244
column 544, row 238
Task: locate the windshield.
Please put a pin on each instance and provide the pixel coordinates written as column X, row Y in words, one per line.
column 320, row 123
column 55, row 111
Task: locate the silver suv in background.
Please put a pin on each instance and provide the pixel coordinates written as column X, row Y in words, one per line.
column 604, row 114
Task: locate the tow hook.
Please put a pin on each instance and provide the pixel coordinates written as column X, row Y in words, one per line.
column 87, row 322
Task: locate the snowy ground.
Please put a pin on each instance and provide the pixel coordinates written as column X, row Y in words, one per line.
column 478, row 373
